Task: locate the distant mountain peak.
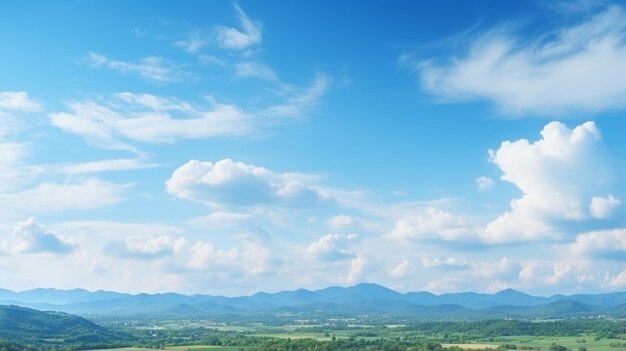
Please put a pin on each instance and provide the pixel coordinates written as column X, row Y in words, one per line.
column 510, row 291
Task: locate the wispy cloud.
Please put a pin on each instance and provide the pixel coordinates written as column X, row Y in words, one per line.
column 125, row 117
column 254, row 70
column 571, row 69
column 248, row 35
column 152, row 68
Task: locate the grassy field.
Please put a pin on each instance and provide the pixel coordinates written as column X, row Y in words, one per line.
column 570, row 342
column 205, row 348
column 472, row 346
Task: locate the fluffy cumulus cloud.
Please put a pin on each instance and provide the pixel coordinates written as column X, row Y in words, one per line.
column 568, row 69
column 248, row 259
column 603, row 207
column 227, row 182
column 562, row 177
column 603, row 244
column 31, row 237
column 332, row 247
column 432, row 224
column 18, row 101
column 145, row 246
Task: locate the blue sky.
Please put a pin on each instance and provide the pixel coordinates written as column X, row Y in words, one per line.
column 230, row 147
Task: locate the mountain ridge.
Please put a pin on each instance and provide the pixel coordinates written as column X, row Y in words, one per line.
column 363, row 297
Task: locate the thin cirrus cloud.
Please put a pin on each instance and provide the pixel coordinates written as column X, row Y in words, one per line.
column 230, row 183
column 125, row 117
column 571, row 69
column 248, row 35
column 254, row 70
column 51, row 197
column 152, row 68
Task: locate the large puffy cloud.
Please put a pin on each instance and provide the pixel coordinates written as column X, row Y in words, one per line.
column 227, row 182
column 603, row 244
column 559, row 176
column 332, row 247
column 568, row 69
column 31, row 237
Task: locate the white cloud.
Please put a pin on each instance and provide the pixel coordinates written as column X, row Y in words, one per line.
column 145, row 246
column 50, row 197
column 341, row 221
column 603, row 244
column 254, row 70
column 568, row 69
column 197, row 40
column 558, row 175
column 120, row 164
column 126, row 117
column 504, row 269
column 249, row 259
column 18, row 101
column 227, row 182
column 332, row 247
column 484, row 183
column 432, row 224
column 618, row 281
column 358, row 270
column 150, row 119
column 603, row 207
column 221, row 218
column 31, row 237
column 301, row 102
column 156, row 69
column 402, row 269
column 451, row 263
column 238, row 39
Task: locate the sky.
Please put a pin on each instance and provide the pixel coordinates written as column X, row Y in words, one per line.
column 222, row 147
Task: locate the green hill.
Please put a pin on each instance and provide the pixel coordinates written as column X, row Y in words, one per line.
column 21, row 326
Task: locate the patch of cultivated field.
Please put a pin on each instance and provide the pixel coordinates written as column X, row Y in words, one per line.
column 472, row 346
column 571, row 342
column 205, row 348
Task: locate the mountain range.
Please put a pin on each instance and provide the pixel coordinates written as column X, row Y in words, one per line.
column 357, row 299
